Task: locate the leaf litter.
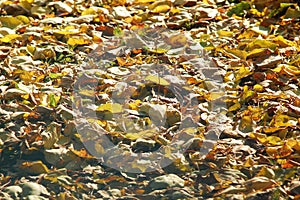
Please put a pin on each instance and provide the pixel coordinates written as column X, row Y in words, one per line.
column 255, row 46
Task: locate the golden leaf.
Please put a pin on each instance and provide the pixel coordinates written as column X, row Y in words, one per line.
column 160, row 6
column 77, row 41
column 111, row 107
column 234, row 107
column 9, row 38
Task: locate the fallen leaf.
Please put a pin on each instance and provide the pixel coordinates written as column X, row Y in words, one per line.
column 34, row 168
column 259, row 183
column 157, row 80
column 111, row 107
column 160, row 6
column 10, row 38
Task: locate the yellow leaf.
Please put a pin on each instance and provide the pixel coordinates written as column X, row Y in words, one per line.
column 261, row 43
column 242, row 72
column 234, row 107
column 23, row 19
column 274, row 140
column 254, row 11
column 283, row 121
column 292, row 70
column 25, row 96
column 223, row 33
column 160, row 6
column 247, row 94
column 278, row 69
column 212, row 96
column 111, row 107
column 258, row 88
column 143, row 1
column 297, row 146
column 293, row 143
column 256, row 113
column 229, row 76
column 249, row 162
column 26, row 76
column 142, row 134
column 100, row 122
column 134, row 105
column 158, row 50
column 273, row 151
column 89, row 11
column 28, row 1
column 271, row 129
column 236, row 52
column 272, row 95
column 279, row 152
column 10, row 22
column 174, row 11
column 26, row 4
column 167, row 151
column 246, row 124
column 136, row 19
column 161, row 9
column 161, row 140
column 9, row 38
column 157, row 80
column 248, row 34
column 262, row 138
column 30, row 49
column 283, row 42
column 39, row 77
column 209, row 48
column 77, row 41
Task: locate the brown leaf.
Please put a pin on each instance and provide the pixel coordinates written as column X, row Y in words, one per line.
column 259, row 183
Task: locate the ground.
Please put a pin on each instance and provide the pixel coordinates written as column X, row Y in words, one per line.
column 145, row 99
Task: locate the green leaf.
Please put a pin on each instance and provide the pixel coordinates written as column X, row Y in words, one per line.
column 53, row 100
column 157, row 80
column 55, row 75
column 239, row 9
column 118, row 31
